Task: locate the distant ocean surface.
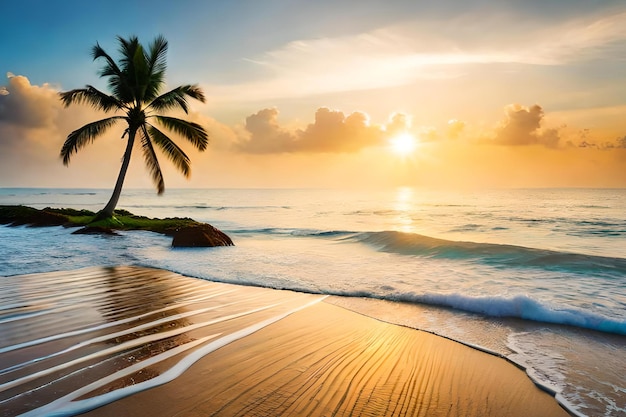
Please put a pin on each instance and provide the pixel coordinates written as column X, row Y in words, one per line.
column 535, row 275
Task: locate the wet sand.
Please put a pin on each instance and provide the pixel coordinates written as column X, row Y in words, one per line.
column 135, row 341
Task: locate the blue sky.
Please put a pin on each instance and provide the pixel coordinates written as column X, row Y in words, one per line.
column 268, row 67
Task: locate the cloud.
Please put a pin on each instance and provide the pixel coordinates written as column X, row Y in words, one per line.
column 334, row 132
column 455, row 128
column 522, row 126
column 587, row 38
column 424, row 49
column 33, row 127
column 25, row 105
column 398, row 123
column 266, row 135
column 619, row 143
column 382, row 58
column 28, row 121
column 331, row 132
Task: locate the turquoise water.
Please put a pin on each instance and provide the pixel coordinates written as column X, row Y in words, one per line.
column 538, row 276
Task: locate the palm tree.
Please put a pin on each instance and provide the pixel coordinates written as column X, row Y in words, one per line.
column 135, row 82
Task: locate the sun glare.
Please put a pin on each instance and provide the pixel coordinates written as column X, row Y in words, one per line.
column 403, row 144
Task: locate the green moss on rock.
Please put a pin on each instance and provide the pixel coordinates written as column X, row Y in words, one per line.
column 206, row 234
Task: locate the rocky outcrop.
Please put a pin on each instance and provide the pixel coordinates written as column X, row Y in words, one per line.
column 186, row 232
column 22, row 215
column 201, row 235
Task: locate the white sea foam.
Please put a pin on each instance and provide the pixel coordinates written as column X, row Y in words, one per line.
column 126, row 345
column 523, row 307
column 69, row 406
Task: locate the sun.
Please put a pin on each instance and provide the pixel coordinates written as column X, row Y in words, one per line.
column 403, row 144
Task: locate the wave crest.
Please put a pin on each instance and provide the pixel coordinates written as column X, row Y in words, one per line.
column 491, row 253
column 520, row 306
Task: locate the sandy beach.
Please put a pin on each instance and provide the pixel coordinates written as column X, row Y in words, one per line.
column 134, row 341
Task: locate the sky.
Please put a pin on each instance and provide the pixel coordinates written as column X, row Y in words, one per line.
column 447, row 94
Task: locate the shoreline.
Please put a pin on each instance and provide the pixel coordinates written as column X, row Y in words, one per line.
column 335, row 360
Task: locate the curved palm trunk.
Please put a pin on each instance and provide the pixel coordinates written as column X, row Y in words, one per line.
column 107, row 211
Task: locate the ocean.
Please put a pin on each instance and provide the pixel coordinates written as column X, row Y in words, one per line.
column 537, row 276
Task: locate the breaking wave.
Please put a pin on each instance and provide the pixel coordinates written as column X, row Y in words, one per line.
column 520, row 306
column 493, row 254
column 490, row 253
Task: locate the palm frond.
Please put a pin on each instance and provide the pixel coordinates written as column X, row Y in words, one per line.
column 91, row 96
column 133, row 69
column 144, row 83
column 171, row 150
column 157, row 64
column 128, row 48
column 191, row 131
column 111, row 67
column 116, row 78
column 152, row 161
column 177, row 98
column 141, row 71
column 158, row 51
column 84, row 136
column 194, row 92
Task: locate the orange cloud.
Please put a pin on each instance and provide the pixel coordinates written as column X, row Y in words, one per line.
column 334, row 132
column 33, row 126
column 266, row 135
column 27, row 118
column 455, row 128
column 522, row 126
column 25, row 105
column 398, row 123
column 331, row 132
